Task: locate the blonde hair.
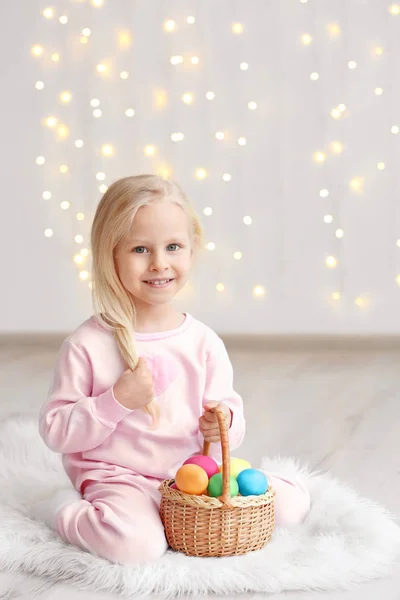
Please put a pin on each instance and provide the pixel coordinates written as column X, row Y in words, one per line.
column 113, row 305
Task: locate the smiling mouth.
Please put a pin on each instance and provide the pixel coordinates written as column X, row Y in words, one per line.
column 158, row 282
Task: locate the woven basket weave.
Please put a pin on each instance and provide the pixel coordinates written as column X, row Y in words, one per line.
column 224, row 526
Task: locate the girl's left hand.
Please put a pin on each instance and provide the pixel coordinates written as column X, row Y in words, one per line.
column 208, row 423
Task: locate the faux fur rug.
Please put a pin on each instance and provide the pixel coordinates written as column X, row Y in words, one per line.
column 346, row 539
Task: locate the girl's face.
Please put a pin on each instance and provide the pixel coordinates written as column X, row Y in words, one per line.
column 153, row 261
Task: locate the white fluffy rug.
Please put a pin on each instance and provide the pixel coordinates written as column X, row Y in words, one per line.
column 345, row 539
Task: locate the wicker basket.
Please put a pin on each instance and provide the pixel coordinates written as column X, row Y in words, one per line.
column 204, row 526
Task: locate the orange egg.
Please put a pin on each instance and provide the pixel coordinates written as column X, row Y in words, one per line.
column 191, row 479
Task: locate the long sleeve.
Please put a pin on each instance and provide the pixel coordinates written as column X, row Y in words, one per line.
column 219, row 388
column 71, row 420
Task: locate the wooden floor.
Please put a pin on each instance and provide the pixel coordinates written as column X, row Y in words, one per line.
column 338, row 410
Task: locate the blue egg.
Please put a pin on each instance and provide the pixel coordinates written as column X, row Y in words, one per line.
column 252, row 482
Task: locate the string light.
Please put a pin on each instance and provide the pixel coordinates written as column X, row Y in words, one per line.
column 107, row 150
column 124, row 39
column 97, row 3
column 84, row 39
column 51, row 122
column 150, row 150
column 177, row 137
column 130, row 112
column 101, row 68
column 210, row 246
column 64, row 169
column 63, row 131
column 169, row 25
column 356, row 184
column 48, row 233
column 379, row 50
column 378, row 91
column 208, row 211
column 237, row 28
column 63, row 19
column 201, row 173
column 95, row 102
column 220, row 135
column 352, row 64
column 124, row 75
column 84, row 275
column 381, row 166
column 79, row 143
column 394, row 9
column 244, row 66
column 191, row 20
column 80, row 216
column 220, row 287
column 306, row 39
column 55, row 57
column 328, row 218
column 97, row 113
column 331, row 262
column 398, row 280
column 395, row 129
column 46, row 195
column 48, row 13
column 195, row 60
column 227, row 177
column 85, row 252
column 210, row 95
column 176, row 60
column 37, row 50
column 100, row 176
column 78, row 239
column 360, row 301
column 103, row 188
column 252, row 105
column 86, row 32
column 65, row 97
column 398, row 243
column 336, row 147
column 237, row 255
column 334, row 30
column 187, row 98
column 78, row 259
column 247, row 220
column 40, row 160
column 336, row 296
column 65, row 205
column 314, row 76
column 259, row 291
column 324, row 193
column 160, row 98
column 39, row 85
column 319, row 157
column 164, row 171
column 242, row 141
column 339, row 233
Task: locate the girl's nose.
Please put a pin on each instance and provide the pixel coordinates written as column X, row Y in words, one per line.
column 159, row 262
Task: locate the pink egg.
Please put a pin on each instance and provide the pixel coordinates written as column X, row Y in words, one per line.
column 174, row 486
column 205, row 462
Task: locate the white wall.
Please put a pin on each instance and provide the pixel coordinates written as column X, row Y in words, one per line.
column 274, row 177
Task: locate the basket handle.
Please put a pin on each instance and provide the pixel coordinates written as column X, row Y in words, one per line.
column 226, row 458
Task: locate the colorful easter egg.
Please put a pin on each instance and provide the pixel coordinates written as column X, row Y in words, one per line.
column 215, row 486
column 191, row 479
column 252, row 482
column 205, row 462
column 237, row 465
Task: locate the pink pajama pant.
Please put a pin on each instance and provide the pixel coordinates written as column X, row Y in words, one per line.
column 119, row 519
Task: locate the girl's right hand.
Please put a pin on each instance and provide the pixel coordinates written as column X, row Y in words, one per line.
column 134, row 389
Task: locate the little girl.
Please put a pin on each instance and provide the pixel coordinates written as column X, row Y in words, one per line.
column 133, row 386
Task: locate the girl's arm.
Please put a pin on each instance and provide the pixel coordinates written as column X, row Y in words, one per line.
column 72, row 420
column 219, row 388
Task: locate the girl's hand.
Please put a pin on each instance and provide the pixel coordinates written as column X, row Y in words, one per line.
column 208, row 423
column 134, row 389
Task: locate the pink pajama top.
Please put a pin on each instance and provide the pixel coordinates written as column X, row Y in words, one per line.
column 101, row 439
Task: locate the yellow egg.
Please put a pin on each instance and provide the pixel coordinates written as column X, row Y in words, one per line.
column 191, row 479
column 237, row 466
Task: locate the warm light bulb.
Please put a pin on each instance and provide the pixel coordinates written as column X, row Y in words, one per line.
column 210, row 246
column 398, row 243
column 319, row 157
column 124, row 39
column 381, row 166
column 48, row 13
column 64, row 169
column 360, row 301
column 107, row 150
column 103, row 188
column 97, row 3
column 339, row 233
column 394, row 9
column 356, row 183
column 79, row 143
column 51, row 121
column 379, row 91
column 226, row 177
column 94, row 102
column 101, row 68
column 379, row 51
column 220, row 287
column 39, row 85
column 252, row 105
column 195, row 60
column 150, row 150
column 46, row 195
column 242, row 141
column 324, row 193
column 84, row 275
column 336, row 296
column 48, row 233
column 176, row 60
column 352, row 64
column 331, row 262
column 336, row 113
column 314, row 76
column 247, row 220
column 78, row 259
column 244, row 66
column 169, row 25
column 395, row 129
column 86, row 32
column 201, row 173
column 306, row 39
column 336, row 147
column 84, row 39
column 97, row 113
column 208, row 211
column 237, row 255
column 130, row 112
column 191, row 20
column 80, row 216
column 40, row 160
column 220, row 135
column 37, row 50
column 177, row 137
column 84, row 252
column 100, row 176
column 63, row 131
column 237, row 28
column 124, row 75
column 187, row 98
column 328, row 218
column 334, row 30
column 63, row 19
column 164, row 171
column 210, row 95
column 65, row 97
column 259, row 291
column 55, row 57
column 398, row 280
column 78, row 239
column 65, row 205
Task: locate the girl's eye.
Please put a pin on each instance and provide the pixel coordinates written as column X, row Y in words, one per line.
column 174, row 247
column 139, row 249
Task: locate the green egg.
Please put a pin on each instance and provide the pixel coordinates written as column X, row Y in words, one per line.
column 215, row 486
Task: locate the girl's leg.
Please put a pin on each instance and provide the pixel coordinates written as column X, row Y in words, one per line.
column 117, row 521
column 292, row 500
